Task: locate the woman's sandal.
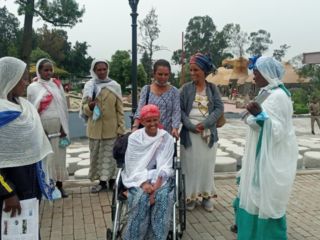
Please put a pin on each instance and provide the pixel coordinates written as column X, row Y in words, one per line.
column 98, row 188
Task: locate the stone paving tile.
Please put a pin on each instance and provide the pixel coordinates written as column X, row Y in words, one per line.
column 86, row 216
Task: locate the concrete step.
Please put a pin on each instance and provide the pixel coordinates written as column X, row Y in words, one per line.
column 222, row 153
column 84, row 155
column 81, row 174
column 300, row 163
column 311, row 159
column 83, row 164
column 225, row 164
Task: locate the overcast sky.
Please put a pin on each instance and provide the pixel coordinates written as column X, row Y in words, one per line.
column 106, row 24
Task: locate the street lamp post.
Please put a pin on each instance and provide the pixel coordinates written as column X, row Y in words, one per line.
column 134, row 4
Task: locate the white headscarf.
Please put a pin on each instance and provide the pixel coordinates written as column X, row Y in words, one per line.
column 8, row 77
column 95, row 84
column 39, row 89
column 23, row 141
column 271, row 69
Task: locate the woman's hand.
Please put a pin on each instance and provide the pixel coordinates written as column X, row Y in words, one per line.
column 175, row 133
column 62, row 133
column 12, row 204
column 254, row 108
column 91, row 103
column 152, row 199
column 199, row 127
column 157, row 184
column 147, row 187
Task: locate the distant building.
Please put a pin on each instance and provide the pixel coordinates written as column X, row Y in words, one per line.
column 235, row 74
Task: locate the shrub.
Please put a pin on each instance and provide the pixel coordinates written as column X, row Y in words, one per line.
column 299, row 108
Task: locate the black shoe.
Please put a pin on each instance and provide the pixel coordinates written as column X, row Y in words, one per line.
column 313, row 132
column 234, row 228
column 64, row 194
column 111, row 183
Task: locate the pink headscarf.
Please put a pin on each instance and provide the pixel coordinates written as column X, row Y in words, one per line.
column 149, row 110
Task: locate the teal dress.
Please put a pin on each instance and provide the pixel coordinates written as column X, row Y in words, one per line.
column 251, row 227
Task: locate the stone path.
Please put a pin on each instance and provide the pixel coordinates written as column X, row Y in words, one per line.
column 86, row 216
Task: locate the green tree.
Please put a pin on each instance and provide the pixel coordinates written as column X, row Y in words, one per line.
column 9, row 28
column 77, row 60
column 54, row 42
column 259, row 42
column 280, row 53
column 238, row 39
column 221, row 45
column 120, row 67
column 199, row 35
column 149, row 33
column 202, row 36
column 147, row 64
column 142, row 76
column 37, row 54
column 62, row 13
column 176, row 57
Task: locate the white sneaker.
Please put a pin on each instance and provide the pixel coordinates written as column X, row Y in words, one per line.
column 190, row 205
column 207, row 205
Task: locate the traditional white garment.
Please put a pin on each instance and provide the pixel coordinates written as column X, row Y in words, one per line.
column 198, row 161
column 39, row 89
column 54, row 116
column 141, row 150
column 267, row 179
column 15, row 151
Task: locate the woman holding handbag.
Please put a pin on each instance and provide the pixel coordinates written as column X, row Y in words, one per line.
column 201, row 108
column 164, row 96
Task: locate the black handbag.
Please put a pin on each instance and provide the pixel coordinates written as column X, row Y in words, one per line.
column 146, row 103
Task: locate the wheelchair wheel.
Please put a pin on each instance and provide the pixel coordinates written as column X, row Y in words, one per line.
column 182, row 203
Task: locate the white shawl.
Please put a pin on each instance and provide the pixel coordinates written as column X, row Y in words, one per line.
column 141, row 149
column 96, row 84
column 266, row 181
column 39, row 89
column 23, row 141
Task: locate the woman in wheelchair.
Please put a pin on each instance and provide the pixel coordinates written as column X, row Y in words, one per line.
column 148, row 176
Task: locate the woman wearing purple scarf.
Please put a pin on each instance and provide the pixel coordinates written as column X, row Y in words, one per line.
column 201, row 107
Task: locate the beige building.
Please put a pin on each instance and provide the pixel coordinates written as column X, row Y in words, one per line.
column 235, row 74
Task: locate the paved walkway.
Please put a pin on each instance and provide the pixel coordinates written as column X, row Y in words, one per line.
column 86, row 216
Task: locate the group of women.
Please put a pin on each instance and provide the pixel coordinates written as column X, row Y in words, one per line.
column 148, row 162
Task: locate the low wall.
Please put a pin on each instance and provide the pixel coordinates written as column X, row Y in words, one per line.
column 77, row 126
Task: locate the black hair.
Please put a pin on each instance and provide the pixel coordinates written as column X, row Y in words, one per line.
column 95, row 65
column 161, row 63
column 43, row 62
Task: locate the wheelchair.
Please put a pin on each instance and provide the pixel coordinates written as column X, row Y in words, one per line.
column 119, row 206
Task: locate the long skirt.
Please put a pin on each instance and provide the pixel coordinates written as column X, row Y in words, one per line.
column 56, row 162
column 102, row 163
column 149, row 222
column 254, row 228
column 198, row 162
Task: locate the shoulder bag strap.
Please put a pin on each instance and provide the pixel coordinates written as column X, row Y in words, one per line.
column 148, row 93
